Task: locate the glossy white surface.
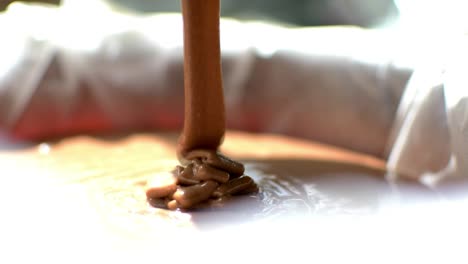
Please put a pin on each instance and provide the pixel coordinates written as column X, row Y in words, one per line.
column 307, row 212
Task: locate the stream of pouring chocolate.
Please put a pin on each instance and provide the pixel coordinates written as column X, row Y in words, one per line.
column 204, row 123
column 207, row 173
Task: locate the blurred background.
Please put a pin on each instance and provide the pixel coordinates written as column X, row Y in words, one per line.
column 366, row 13
column 430, row 15
column 85, row 39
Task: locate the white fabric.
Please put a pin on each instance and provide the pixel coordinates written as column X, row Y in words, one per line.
column 341, row 86
column 431, row 129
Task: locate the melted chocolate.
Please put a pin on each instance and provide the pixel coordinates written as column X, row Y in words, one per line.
column 187, row 187
column 207, row 174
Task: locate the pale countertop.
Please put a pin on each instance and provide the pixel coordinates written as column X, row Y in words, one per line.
column 85, row 195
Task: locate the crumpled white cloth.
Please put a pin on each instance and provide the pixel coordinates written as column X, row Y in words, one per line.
column 429, row 140
column 342, row 86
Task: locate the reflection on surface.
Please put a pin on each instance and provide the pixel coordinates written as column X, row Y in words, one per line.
column 87, row 194
column 307, row 189
column 288, row 188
